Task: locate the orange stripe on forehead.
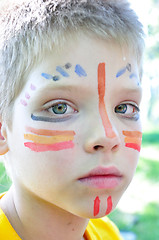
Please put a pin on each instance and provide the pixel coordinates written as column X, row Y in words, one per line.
column 136, row 134
column 102, row 109
column 49, row 132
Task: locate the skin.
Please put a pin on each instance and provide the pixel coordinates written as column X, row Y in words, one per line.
column 46, row 198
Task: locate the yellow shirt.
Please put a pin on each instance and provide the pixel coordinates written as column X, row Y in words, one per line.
column 97, row 229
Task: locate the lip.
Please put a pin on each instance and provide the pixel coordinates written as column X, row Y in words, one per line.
column 102, row 178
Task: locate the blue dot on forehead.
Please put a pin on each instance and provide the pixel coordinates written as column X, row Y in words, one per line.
column 56, row 78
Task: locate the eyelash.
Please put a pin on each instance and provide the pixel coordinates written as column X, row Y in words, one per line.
column 130, row 116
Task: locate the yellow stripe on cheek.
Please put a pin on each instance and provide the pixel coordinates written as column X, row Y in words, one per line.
column 48, row 140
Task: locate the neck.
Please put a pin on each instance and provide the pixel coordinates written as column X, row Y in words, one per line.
column 35, row 219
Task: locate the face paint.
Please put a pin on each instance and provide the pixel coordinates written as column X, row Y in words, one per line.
column 61, row 71
column 133, row 139
column 23, row 102
column 96, row 206
column 48, row 76
column 27, row 96
column 48, row 119
column 102, row 109
column 123, row 70
column 56, row 78
column 80, row 71
column 109, row 205
column 32, row 87
column 128, row 67
column 47, row 140
column 68, row 65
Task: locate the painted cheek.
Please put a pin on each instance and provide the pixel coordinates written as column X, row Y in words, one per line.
column 102, row 109
column 41, row 140
column 133, row 139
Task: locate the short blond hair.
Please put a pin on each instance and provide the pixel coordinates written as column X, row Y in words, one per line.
column 28, row 28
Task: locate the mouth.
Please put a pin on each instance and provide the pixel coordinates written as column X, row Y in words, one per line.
column 102, row 178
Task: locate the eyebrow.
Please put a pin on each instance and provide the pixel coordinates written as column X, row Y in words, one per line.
column 133, row 90
column 66, row 88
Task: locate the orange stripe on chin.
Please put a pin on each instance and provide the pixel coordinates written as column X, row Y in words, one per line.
column 102, row 109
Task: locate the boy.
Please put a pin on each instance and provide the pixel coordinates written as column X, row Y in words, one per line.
column 71, row 134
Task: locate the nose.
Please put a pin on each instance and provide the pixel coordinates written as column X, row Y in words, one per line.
column 97, row 140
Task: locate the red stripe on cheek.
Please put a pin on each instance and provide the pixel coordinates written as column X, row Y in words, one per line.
column 102, row 109
column 133, row 146
column 109, row 205
column 49, row 147
column 96, row 206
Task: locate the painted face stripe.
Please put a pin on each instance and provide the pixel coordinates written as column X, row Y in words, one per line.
column 136, row 134
column 109, row 205
column 62, row 72
column 133, row 75
column 48, row 139
column 133, row 140
column 47, row 76
column 133, row 146
column 96, row 206
column 32, row 87
column 48, row 119
column 23, row 102
column 46, row 132
column 51, row 147
column 80, row 71
column 102, row 109
column 121, row 72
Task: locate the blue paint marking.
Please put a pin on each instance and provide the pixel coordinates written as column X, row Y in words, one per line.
column 62, row 72
column 133, row 75
column 68, row 65
column 48, row 119
column 80, row 71
column 121, row 72
column 56, row 78
column 47, row 76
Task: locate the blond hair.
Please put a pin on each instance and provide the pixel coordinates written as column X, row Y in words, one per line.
column 28, row 28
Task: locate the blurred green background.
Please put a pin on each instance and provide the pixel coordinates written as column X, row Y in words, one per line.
column 138, row 210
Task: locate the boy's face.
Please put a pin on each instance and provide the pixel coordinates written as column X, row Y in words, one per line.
column 76, row 133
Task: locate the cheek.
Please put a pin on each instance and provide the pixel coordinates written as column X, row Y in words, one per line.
column 133, row 139
column 41, row 140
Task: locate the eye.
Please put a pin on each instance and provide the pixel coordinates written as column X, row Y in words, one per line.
column 121, row 108
column 128, row 110
column 60, row 108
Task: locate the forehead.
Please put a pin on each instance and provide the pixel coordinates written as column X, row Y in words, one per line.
column 79, row 58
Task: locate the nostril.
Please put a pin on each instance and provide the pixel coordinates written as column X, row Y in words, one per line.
column 115, row 147
column 97, row 147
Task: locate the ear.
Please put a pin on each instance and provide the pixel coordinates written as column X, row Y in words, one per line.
column 3, row 140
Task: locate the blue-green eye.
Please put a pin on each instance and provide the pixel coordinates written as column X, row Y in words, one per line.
column 128, row 111
column 122, row 108
column 59, row 108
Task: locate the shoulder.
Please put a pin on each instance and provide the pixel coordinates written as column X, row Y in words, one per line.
column 6, row 230
column 103, row 228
